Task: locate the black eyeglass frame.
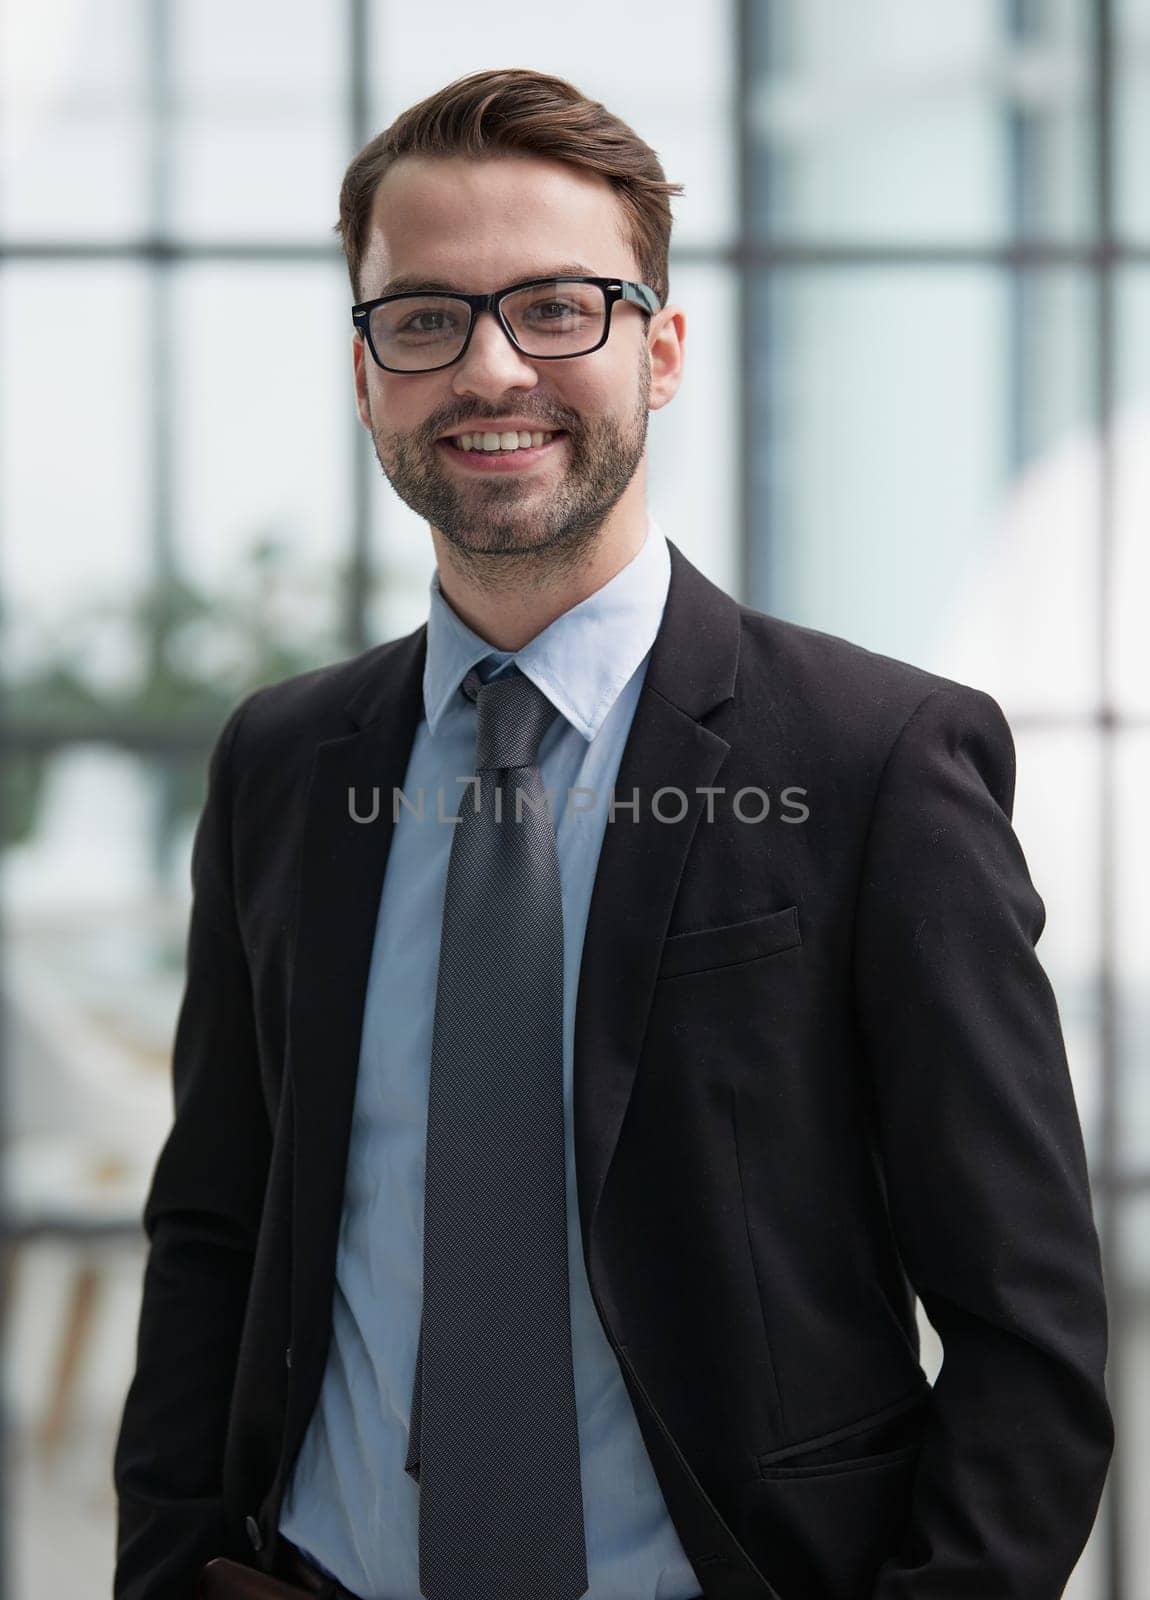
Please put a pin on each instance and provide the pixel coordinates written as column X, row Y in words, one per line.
column 614, row 289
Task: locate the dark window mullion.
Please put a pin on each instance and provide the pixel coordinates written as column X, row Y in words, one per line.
column 161, row 378
column 359, row 563
column 1117, row 1198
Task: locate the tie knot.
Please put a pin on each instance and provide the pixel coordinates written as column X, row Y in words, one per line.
column 513, row 717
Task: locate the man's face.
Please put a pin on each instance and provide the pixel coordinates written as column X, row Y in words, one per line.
column 479, row 226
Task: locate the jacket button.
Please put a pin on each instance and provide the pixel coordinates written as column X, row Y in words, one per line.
column 287, row 1356
column 255, row 1537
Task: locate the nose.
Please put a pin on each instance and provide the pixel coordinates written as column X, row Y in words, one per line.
column 492, row 364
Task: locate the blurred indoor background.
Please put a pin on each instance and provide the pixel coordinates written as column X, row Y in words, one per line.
column 914, row 256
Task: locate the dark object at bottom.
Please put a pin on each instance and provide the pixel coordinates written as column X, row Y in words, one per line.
column 222, row 1579
column 295, row 1578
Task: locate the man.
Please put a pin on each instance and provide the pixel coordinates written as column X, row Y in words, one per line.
column 550, row 1184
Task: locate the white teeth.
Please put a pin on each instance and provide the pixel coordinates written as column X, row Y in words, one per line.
column 500, row 441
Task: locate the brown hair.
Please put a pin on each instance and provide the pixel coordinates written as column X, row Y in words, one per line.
column 514, row 110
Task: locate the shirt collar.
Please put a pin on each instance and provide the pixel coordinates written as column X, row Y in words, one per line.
column 581, row 661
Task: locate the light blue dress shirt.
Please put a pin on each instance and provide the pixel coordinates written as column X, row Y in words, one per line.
column 350, row 1506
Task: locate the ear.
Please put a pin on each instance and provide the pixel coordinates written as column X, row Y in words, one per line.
column 360, row 356
column 665, row 341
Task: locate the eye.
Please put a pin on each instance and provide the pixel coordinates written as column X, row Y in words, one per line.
column 418, row 317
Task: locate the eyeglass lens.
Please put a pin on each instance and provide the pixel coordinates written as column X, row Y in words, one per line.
column 559, row 318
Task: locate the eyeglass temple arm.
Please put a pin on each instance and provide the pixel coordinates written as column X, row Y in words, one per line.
column 639, row 294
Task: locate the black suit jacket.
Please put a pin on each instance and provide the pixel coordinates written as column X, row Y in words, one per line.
column 817, row 1063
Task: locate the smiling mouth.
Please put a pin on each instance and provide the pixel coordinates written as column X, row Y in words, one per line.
column 478, row 442
column 478, row 459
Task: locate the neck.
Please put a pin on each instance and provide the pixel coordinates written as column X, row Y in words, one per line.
column 510, row 609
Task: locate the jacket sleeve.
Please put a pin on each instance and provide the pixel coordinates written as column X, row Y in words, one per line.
column 985, row 1169
column 201, row 1218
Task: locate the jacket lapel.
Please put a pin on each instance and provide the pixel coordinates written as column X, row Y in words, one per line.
column 691, row 670
column 341, row 878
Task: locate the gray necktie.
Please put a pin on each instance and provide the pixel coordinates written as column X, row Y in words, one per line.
column 494, row 1442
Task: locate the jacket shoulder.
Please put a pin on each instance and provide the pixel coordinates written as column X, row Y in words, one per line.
column 283, row 721
column 823, row 675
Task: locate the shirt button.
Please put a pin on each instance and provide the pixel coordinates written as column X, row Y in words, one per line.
column 255, row 1537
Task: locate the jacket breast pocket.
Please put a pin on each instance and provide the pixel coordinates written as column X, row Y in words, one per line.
column 732, row 944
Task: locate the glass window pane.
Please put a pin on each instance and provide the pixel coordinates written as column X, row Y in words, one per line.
column 73, row 125
column 922, row 484
column 1132, row 117
column 1046, row 82
column 693, row 441
column 261, row 366
column 1062, row 846
column 53, row 1282
column 1132, row 951
column 75, row 486
column 920, row 119
column 258, row 126
column 93, row 971
column 680, row 103
column 1131, row 466
column 1088, row 1580
column 1132, row 1460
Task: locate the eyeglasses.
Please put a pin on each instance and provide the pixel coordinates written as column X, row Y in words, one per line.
column 546, row 319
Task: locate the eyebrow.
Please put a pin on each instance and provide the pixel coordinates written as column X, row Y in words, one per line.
column 411, row 280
